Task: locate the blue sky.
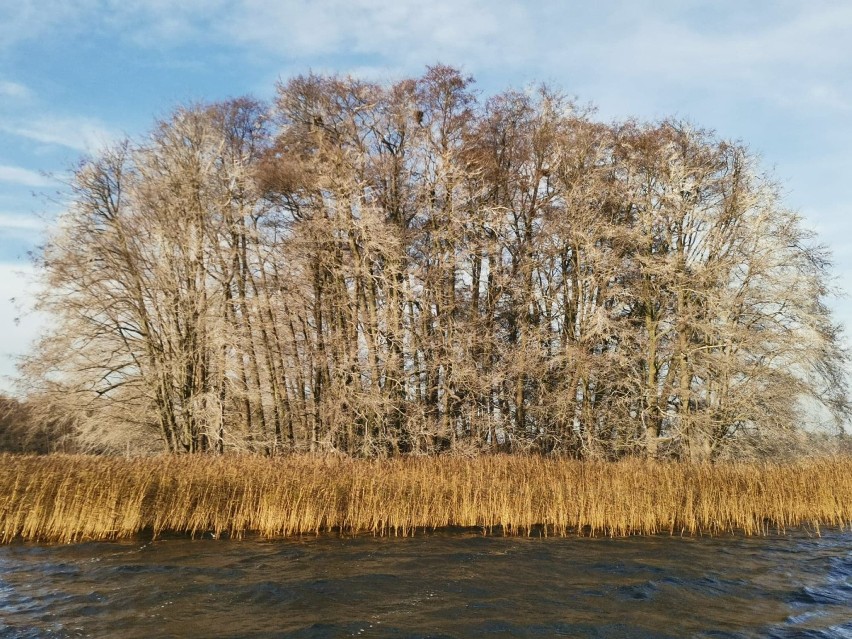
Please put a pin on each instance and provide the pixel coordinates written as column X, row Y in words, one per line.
column 75, row 74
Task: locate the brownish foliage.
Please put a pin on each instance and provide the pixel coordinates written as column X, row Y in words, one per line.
column 70, row 498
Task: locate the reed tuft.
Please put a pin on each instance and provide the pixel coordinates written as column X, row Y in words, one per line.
column 67, row 498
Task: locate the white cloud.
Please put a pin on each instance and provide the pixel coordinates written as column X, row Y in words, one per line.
column 24, row 117
column 16, row 299
column 785, row 54
column 28, row 19
column 402, row 32
column 78, row 133
column 21, row 222
column 23, row 177
column 406, row 31
column 14, row 90
column 734, row 46
column 777, row 52
column 827, row 96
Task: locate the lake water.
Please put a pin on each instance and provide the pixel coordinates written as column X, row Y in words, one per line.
column 439, row 585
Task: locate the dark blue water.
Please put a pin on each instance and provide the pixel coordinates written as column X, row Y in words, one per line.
column 447, row 585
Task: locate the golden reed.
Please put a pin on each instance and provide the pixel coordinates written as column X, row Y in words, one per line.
column 71, row 498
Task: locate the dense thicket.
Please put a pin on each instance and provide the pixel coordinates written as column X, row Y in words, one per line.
column 382, row 269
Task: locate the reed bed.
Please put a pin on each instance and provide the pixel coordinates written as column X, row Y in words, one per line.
column 65, row 498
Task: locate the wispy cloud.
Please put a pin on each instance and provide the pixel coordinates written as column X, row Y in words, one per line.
column 21, row 222
column 730, row 46
column 16, row 299
column 15, row 280
column 28, row 19
column 781, row 54
column 26, row 116
column 408, row 31
column 23, row 177
column 403, row 32
column 78, row 133
column 14, row 90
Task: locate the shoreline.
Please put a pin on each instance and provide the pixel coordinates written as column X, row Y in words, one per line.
column 73, row 498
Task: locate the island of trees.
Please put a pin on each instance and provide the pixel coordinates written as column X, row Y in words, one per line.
column 394, row 279
column 408, row 268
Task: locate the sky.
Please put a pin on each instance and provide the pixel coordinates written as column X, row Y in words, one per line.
column 78, row 74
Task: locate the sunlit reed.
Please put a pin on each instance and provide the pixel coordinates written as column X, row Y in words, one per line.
column 72, row 498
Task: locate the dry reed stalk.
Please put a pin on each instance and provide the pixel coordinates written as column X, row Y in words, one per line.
column 71, row 498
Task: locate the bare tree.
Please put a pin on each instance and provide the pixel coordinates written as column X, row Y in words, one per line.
column 388, row 269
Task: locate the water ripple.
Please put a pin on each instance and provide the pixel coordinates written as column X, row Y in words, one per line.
column 456, row 585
